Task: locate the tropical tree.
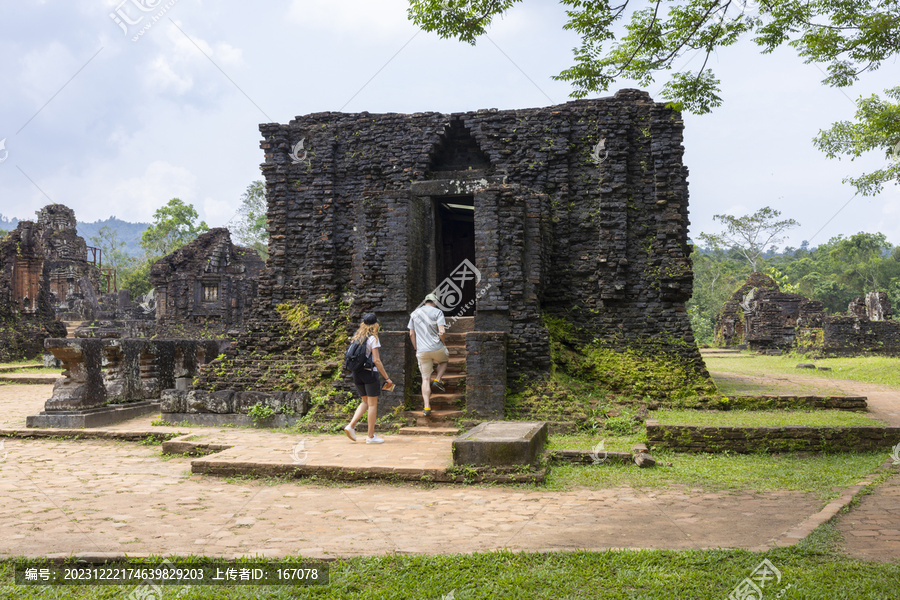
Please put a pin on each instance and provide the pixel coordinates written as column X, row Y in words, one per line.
column 174, row 225
column 621, row 40
column 877, row 129
column 250, row 223
column 717, row 273
column 750, row 234
column 112, row 248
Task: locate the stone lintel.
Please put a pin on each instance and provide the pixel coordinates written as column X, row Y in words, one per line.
column 454, row 186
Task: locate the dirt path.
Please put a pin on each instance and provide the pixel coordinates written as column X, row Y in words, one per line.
column 871, row 529
column 884, row 401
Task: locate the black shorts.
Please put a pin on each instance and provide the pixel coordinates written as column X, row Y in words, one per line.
column 368, row 383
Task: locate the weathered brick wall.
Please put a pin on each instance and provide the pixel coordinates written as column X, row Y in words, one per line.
column 211, row 262
column 601, row 243
column 26, row 311
column 785, row 402
column 851, row 336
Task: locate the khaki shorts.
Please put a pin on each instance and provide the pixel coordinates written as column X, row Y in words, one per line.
column 427, row 360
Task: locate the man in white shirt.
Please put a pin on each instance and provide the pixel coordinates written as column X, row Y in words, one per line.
column 426, row 331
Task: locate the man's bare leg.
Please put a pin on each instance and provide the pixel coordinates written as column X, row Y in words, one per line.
column 426, row 391
column 441, row 369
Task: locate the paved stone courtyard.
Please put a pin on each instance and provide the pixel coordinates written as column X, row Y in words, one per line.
column 103, row 496
column 98, row 496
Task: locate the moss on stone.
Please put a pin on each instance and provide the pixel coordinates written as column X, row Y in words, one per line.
column 298, row 316
column 639, row 368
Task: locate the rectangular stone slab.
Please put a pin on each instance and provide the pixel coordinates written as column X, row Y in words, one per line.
column 501, row 443
column 92, row 417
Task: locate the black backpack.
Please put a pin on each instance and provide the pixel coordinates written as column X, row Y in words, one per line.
column 356, row 360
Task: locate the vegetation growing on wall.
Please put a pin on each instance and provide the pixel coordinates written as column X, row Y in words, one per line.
column 650, row 367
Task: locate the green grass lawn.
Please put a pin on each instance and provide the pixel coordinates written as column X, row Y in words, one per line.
column 812, row 570
column 20, row 367
column 823, row 475
column 766, row 418
column 868, row 369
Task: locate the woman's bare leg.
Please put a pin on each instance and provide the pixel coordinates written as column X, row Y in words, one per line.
column 373, row 414
column 360, row 411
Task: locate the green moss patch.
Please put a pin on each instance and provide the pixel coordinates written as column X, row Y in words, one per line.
column 647, row 367
column 766, row 418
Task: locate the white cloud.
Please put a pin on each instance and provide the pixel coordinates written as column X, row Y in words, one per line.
column 161, row 77
column 45, row 70
column 137, row 197
column 181, row 61
column 382, row 19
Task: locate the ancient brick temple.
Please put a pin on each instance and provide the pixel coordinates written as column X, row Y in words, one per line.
column 577, row 211
column 39, row 263
column 66, row 253
column 205, row 288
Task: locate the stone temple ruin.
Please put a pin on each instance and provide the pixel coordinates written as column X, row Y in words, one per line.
column 43, row 266
column 762, row 317
column 206, row 288
column 112, row 349
column 575, row 213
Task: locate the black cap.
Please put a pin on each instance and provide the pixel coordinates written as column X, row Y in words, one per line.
column 370, row 319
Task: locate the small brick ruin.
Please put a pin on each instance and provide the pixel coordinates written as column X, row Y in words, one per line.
column 762, row 317
column 205, row 288
column 868, row 328
column 577, row 212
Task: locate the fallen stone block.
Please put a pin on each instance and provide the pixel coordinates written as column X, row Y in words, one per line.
column 644, row 460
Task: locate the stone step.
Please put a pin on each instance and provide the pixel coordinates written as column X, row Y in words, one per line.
column 456, row 362
column 448, row 398
column 455, row 339
column 438, row 418
column 453, row 384
column 429, row 431
column 29, row 378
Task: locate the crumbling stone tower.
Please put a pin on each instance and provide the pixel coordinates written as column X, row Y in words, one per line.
column 573, row 218
column 30, row 259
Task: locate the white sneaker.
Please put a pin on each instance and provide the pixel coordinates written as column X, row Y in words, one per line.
column 351, row 433
column 374, row 440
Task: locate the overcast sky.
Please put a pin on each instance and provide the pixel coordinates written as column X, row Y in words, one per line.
column 114, row 119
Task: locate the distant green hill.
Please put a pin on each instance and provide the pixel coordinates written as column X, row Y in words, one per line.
column 130, row 233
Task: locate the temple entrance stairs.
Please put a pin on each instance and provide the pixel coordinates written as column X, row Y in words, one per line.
column 448, row 406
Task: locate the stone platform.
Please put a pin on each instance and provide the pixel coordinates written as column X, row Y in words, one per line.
column 325, row 456
column 501, row 444
column 92, row 417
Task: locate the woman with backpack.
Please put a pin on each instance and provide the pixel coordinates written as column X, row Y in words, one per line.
column 366, row 378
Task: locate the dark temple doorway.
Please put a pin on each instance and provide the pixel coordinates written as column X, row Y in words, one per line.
column 455, row 244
